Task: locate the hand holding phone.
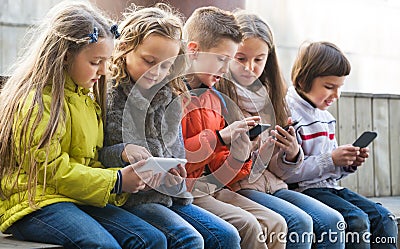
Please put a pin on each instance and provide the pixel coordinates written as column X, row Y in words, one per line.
column 365, row 139
column 257, row 130
column 293, row 123
column 161, row 164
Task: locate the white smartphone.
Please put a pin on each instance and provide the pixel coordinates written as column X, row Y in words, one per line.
column 161, row 164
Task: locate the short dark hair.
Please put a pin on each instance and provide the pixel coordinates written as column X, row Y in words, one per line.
column 208, row 25
column 318, row 59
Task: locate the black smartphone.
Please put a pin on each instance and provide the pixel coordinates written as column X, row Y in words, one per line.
column 294, row 122
column 365, row 139
column 286, row 127
column 256, row 130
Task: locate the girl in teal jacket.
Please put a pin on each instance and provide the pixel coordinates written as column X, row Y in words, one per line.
column 53, row 188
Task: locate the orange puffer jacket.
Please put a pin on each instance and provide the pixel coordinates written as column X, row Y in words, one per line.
column 200, row 123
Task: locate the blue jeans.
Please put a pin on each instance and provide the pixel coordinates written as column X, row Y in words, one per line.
column 183, row 221
column 303, row 215
column 368, row 223
column 326, row 221
column 299, row 223
column 74, row 226
column 217, row 233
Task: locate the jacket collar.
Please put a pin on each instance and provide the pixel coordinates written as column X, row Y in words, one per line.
column 71, row 86
column 162, row 96
column 299, row 98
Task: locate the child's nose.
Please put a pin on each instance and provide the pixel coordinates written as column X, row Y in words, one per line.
column 155, row 71
column 336, row 93
column 250, row 65
column 225, row 67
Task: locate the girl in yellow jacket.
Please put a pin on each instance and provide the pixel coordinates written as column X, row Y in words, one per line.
column 53, row 188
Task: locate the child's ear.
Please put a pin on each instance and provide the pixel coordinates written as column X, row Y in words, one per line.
column 193, row 46
column 193, row 49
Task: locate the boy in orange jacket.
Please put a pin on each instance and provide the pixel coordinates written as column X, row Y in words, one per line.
column 218, row 154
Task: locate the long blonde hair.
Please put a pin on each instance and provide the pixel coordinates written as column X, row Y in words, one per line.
column 65, row 29
column 137, row 25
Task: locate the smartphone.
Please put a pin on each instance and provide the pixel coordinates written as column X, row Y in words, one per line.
column 365, row 139
column 294, row 122
column 161, row 164
column 256, row 130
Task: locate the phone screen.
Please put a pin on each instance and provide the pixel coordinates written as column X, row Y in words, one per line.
column 294, row 122
column 256, row 130
column 365, row 139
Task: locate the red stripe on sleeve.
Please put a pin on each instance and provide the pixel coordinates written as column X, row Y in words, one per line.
column 318, row 134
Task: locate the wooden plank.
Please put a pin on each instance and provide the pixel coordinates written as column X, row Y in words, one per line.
column 346, row 113
column 394, row 132
column 381, row 147
column 364, row 123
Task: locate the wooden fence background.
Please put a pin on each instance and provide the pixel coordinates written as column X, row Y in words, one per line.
column 356, row 113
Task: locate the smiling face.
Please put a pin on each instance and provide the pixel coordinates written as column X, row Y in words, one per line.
column 151, row 60
column 86, row 67
column 252, row 56
column 210, row 64
column 325, row 91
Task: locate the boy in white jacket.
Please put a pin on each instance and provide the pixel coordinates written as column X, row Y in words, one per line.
column 318, row 74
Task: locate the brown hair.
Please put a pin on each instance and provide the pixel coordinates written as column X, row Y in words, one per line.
column 318, row 59
column 208, row 25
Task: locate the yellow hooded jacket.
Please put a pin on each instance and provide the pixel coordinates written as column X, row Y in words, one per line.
column 73, row 172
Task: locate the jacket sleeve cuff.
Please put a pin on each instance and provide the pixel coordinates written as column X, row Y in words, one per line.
column 326, row 161
column 110, row 156
column 350, row 169
column 299, row 158
column 220, row 138
column 118, row 184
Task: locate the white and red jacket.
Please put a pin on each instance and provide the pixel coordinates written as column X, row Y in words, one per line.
column 316, row 135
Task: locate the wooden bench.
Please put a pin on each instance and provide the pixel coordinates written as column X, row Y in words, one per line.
column 7, row 242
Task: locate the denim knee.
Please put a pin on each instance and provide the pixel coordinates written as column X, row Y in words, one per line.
column 358, row 222
column 333, row 221
column 385, row 226
column 300, row 228
column 226, row 237
column 192, row 241
column 154, row 239
column 300, row 223
column 188, row 239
